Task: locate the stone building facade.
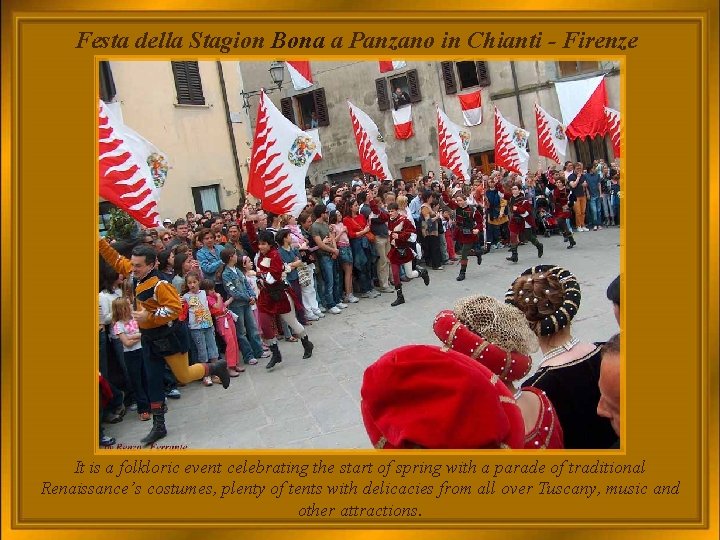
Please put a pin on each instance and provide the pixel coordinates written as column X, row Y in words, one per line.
column 513, row 86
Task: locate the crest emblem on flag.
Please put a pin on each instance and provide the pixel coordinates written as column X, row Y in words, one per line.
column 301, row 150
column 520, row 138
column 158, row 168
column 560, row 132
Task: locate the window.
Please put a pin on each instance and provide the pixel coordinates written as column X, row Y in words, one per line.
column 409, row 85
column 187, row 83
column 567, row 69
column 484, row 160
column 206, row 198
column 104, row 217
column 469, row 74
column 107, row 84
column 588, row 150
column 311, row 109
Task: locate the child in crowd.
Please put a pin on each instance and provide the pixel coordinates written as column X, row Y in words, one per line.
column 243, row 298
column 200, row 322
column 225, row 326
column 345, row 258
column 448, row 224
column 126, row 330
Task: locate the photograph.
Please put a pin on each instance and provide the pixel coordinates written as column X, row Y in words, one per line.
column 359, row 254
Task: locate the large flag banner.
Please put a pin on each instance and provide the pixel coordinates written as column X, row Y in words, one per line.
column 300, row 73
column 370, row 144
column 453, row 143
column 582, row 104
column 552, row 142
column 391, row 65
column 510, row 145
column 281, row 155
column 315, row 136
column 613, row 120
column 131, row 169
column 471, row 106
column 402, row 119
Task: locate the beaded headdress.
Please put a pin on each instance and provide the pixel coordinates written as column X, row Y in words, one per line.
column 562, row 316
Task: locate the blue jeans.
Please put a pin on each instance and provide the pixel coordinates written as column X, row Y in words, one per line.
column 327, row 269
column 596, row 210
column 247, row 332
column 204, row 339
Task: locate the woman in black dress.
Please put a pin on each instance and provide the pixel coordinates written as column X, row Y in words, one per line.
column 549, row 297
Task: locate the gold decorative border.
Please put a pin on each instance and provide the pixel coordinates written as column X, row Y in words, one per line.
column 700, row 11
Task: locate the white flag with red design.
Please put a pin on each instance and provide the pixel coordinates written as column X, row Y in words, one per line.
column 315, row 136
column 402, row 120
column 131, row 169
column 510, row 145
column 370, row 144
column 552, row 142
column 281, row 155
column 391, row 65
column 300, row 73
column 471, row 106
column 453, row 142
column 613, row 122
column 582, row 104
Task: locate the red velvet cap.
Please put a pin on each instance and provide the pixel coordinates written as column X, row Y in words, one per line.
column 420, row 396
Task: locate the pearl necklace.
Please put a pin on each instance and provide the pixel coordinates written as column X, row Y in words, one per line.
column 557, row 351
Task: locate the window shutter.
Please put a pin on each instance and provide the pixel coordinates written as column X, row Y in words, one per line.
column 414, row 86
column 107, row 84
column 321, row 107
column 483, row 73
column 448, row 74
column 187, row 83
column 382, row 94
column 286, row 106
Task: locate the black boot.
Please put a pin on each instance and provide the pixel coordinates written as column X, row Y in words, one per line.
column 158, row 430
column 461, row 276
column 276, row 356
column 400, row 298
column 479, row 256
column 307, row 346
column 220, row 369
column 424, row 275
column 539, row 247
column 572, row 242
column 513, row 255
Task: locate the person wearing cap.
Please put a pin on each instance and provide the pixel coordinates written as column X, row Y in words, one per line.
column 157, row 308
column 468, row 225
column 549, row 297
column 496, row 335
column 522, row 223
column 423, row 396
column 400, row 229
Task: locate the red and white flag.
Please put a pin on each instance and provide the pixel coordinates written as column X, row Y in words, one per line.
column 614, row 128
column 300, row 73
column 131, row 169
column 371, row 145
column 510, row 145
column 391, row 65
column 315, row 136
column 552, row 142
column 471, row 106
column 402, row 119
column 582, row 104
column 453, row 144
column 281, row 155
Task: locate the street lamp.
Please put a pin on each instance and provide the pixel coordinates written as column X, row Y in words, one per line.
column 277, row 75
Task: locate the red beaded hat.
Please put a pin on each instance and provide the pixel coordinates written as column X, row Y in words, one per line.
column 509, row 366
column 421, row 396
